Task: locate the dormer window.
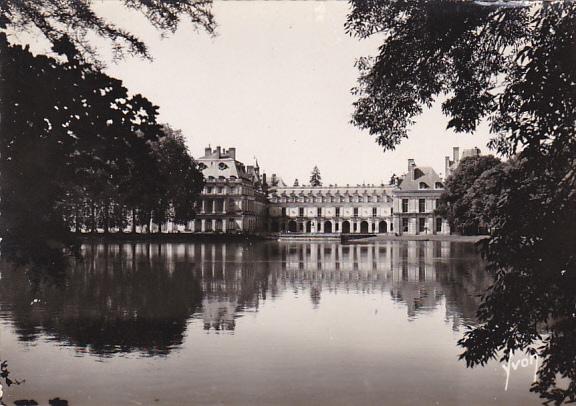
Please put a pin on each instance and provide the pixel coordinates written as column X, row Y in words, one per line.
column 222, row 166
column 439, row 185
column 202, row 166
column 423, row 185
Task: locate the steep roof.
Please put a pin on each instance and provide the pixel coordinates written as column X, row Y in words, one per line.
column 422, row 174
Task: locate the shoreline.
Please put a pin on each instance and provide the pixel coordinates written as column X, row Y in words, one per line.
column 433, row 237
column 193, row 237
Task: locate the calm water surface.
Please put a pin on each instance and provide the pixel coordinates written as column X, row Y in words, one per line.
column 249, row 324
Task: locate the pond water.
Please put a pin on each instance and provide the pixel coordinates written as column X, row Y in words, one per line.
column 254, row 324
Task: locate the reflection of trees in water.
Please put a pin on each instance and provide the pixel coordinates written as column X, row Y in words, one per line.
column 138, row 297
column 122, row 298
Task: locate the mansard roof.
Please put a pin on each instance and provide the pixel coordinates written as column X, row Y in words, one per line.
column 422, row 175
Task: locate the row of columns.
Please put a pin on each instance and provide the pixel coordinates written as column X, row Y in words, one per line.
column 224, row 206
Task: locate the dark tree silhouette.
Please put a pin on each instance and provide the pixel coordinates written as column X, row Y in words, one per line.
column 75, row 147
column 315, row 178
column 82, row 142
column 181, row 180
column 68, row 24
column 455, row 203
column 515, row 67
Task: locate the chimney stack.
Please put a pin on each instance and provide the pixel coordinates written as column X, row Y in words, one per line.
column 456, row 154
column 446, row 167
column 207, row 151
column 218, row 151
column 232, row 153
column 411, row 165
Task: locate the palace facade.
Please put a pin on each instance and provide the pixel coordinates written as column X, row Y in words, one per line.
column 233, row 199
column 406, row 207
column 236, row 199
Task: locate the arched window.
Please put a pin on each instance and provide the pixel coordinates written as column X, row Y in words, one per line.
column 423, row 185
column 439, row 185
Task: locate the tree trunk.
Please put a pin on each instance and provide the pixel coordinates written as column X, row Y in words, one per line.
column 77, row 220
column 93, row 217
column 106, row 218
column 133, row 221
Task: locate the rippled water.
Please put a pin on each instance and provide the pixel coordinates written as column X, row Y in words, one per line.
column 263, row 323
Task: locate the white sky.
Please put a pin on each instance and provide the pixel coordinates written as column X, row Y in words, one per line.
column 275, row 83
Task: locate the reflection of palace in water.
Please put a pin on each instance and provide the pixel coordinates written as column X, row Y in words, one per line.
column 140, row 297
column 416, row 273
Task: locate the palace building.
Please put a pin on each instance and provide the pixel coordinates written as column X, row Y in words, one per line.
column 236, row 199
column 331, row 209
column 415, row 199
column 233, row 199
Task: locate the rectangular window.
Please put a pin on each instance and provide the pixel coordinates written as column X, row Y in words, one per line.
column 219, row 190
column 283, row 211
column 301, row 211
column 437, row 203
column 374, row 211
column 319, row 211
column 422, row 205
column 421, row 224
column 355, row 211
column 337, row 211
column 404, row 205
column 438, row 224
column 404, row 225
column 209, row 190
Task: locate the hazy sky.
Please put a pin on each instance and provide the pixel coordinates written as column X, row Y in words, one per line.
column 275, row 83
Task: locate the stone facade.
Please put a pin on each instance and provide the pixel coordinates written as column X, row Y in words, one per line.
column 331, row 209
column 415, row 199
column 406, row 207
column 233, row 199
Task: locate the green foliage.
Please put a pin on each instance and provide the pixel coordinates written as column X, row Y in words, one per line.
column 315, row 178
column 433, row 47
column 181, row 180
column 69, row 24
column 76, row 149
column 82, row 160
column 456, row 202
column 516, row 67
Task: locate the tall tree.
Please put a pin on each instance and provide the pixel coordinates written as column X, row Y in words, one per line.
column 315, row 178
column 455, row 203
column 74, row 145
column 82, row 145
column 514, row 66
column 181, row 179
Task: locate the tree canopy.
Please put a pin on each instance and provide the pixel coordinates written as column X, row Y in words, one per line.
column 514, row 66
column 315, row 178
column 456, row 203
column 76, row 149
column 69, row 24
column 84, row 159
